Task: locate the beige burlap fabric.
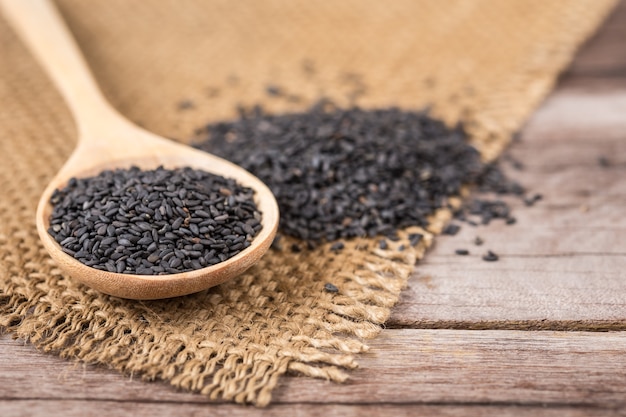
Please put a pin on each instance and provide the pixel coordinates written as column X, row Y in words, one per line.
column 487, row 63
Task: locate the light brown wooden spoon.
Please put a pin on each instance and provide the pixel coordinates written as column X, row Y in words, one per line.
column 107, row 140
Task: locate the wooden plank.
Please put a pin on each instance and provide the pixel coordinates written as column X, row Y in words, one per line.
column 403, row 367
column 562, row 265
column 29, row 374
column 507, row 367
column 604, row 54
column 514, row 299
column 574, row 114
column 78, row 408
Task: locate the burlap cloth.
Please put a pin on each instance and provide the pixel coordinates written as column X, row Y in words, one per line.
column 488, row 63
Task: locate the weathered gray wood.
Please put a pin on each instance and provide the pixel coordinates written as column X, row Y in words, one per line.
column 576, row 114
column 605, row 54
column 563, row 264
column 512, row 367
column 79, row 408
column 403, row 367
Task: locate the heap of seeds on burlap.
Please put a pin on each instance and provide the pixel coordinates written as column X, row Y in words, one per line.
column 342, row 173
column 153, row 222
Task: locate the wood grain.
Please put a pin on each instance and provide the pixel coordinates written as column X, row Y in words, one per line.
column 81, row 408
column 562, row 265
column 405, row 366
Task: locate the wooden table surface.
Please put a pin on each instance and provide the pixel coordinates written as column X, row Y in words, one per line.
column 541, row 332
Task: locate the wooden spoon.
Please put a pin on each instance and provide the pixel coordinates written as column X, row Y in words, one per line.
column 107, row 140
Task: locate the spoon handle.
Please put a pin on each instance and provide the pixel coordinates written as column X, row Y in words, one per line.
column 41, row 27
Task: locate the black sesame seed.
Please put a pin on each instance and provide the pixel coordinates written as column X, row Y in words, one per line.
column 451, row 229
column 337, row 246
column 177, row 223
column 145, row 226
column 276, row 243
column 153, row 258
column 185, row 105
column 120, row 267
column 202, row 213
column 237, row 246
column 461, row 252
column 146, row 240
column 490, row 257
column 274, row 91
column 115, row 255
column 530, row 201
column 415, row 238
column 331, row 287
column 604, row 162
column 478, row 241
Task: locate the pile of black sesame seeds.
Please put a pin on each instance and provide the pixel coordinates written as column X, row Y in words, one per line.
column 341, row 173
column 153, row 222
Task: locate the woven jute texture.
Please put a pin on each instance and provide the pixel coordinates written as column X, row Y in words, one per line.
column 486, row 63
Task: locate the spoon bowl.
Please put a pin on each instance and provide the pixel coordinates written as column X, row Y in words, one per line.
column 108, row 141
column 148, row 151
